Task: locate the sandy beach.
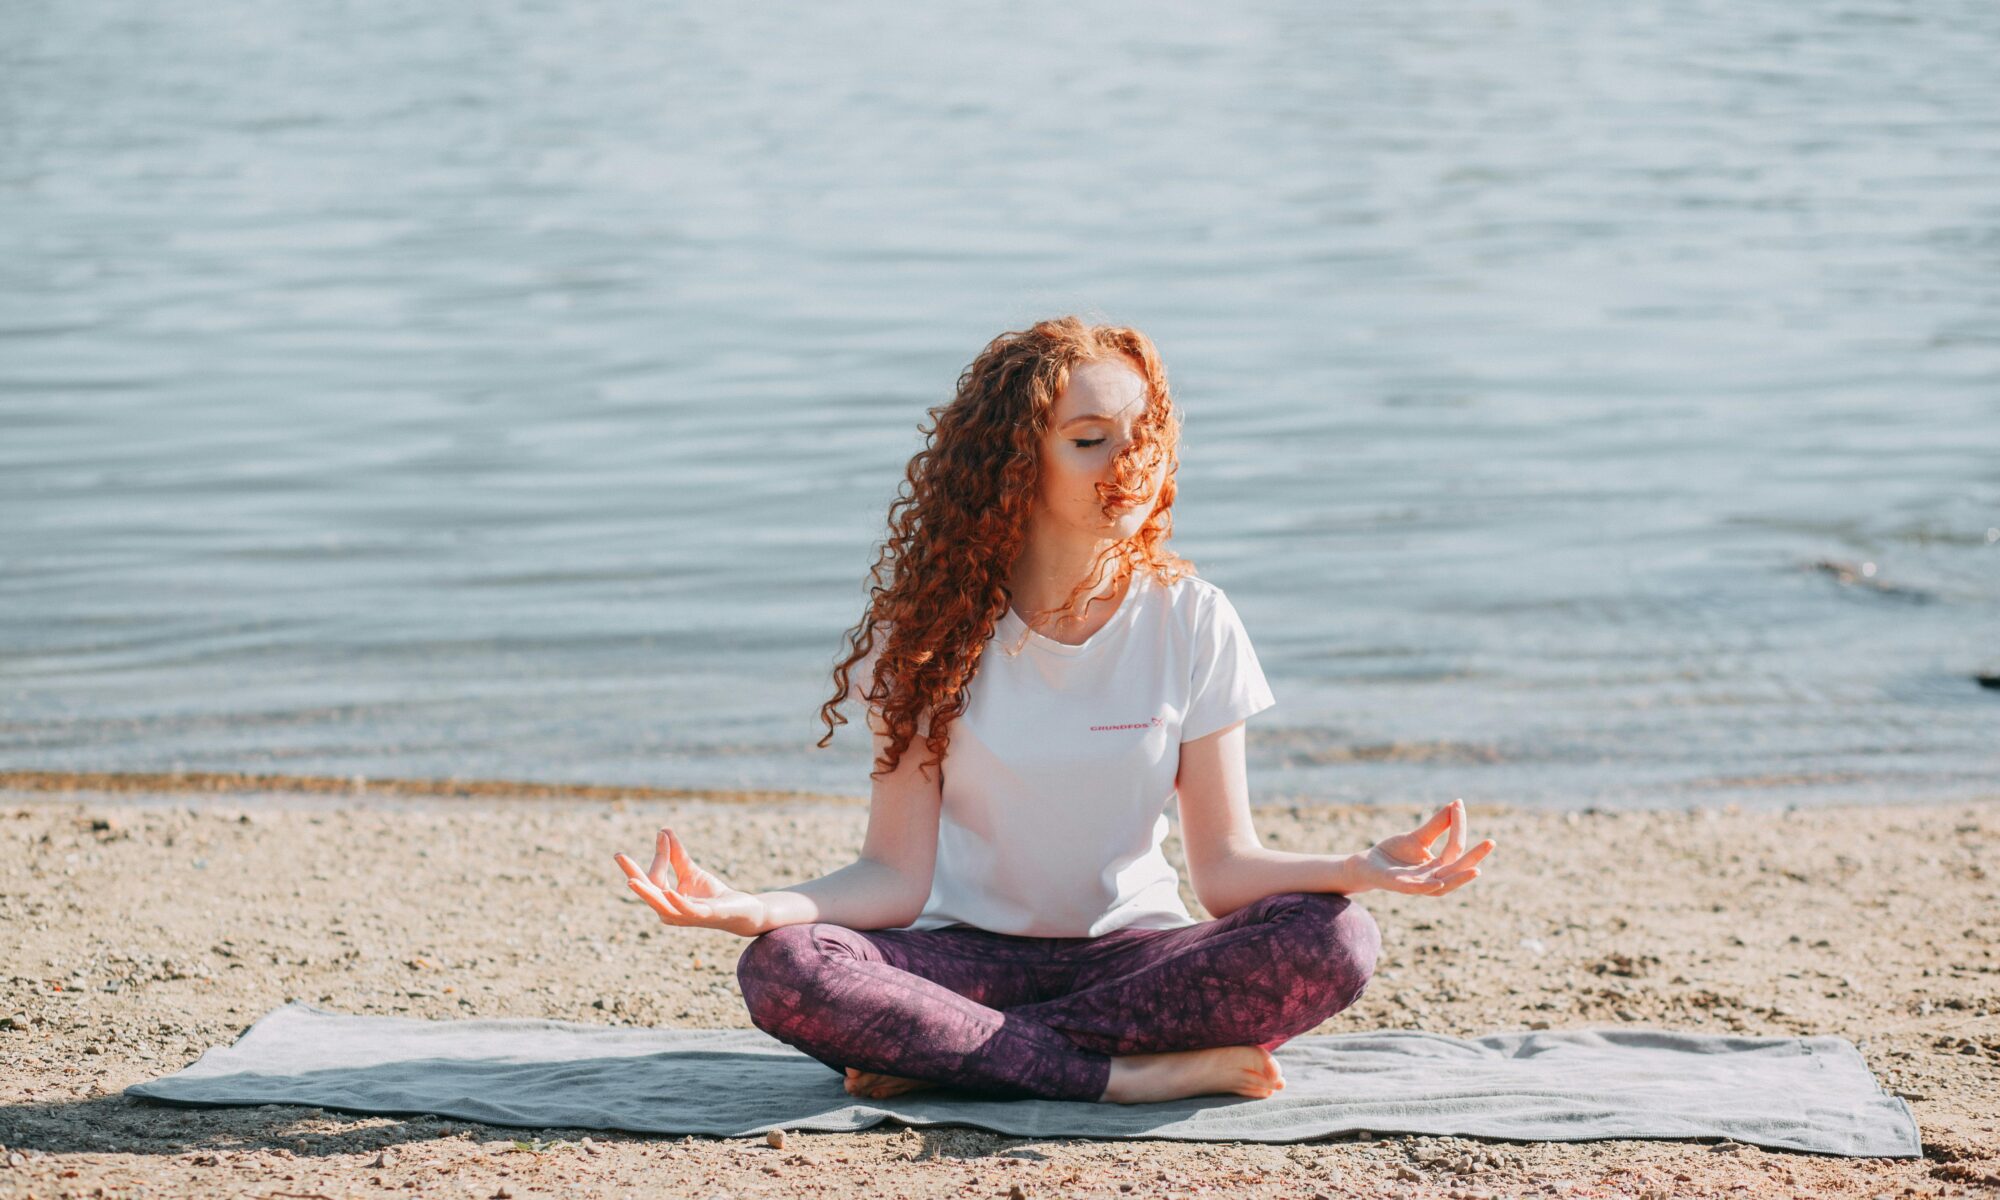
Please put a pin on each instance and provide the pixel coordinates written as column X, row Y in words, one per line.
column 142, row 927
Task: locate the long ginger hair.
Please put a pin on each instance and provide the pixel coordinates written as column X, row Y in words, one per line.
column 958, row 523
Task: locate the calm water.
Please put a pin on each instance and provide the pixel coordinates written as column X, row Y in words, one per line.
column 518, row 389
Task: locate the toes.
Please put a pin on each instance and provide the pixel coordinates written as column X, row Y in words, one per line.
column 1267, row 1076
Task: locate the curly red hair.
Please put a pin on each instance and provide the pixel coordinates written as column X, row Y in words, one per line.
column 956, row 527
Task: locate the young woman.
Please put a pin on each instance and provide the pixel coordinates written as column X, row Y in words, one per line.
column 1011, row 927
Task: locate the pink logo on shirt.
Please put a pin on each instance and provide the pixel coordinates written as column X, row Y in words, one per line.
column 1134, row 725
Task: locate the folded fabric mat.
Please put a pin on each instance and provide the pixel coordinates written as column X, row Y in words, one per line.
column 1812, row 1093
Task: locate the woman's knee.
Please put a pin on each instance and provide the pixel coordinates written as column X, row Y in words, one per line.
column 1357, row 944
column 778, row 970
column 1346, row 941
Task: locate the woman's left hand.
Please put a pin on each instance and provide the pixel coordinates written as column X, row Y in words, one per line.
column 1404, row 863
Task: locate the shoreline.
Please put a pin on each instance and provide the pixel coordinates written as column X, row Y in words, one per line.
column 142, row 929
column 158, row 788
column 168, row 785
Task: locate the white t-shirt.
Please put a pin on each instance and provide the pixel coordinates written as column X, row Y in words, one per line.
column 1061, row 768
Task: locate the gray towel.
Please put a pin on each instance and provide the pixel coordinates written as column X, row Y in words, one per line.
column 1812, row 1093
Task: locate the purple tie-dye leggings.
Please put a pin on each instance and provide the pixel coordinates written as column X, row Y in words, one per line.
column 1015, row 1017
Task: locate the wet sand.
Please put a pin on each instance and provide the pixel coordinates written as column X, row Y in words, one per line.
column 142, row 927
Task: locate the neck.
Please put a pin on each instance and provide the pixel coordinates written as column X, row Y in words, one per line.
column 1051, row 567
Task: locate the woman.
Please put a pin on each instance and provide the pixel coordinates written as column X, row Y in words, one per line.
column 1011, row 927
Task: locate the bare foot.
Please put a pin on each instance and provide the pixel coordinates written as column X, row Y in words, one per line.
column 881, row 1087
column 1242, row 1070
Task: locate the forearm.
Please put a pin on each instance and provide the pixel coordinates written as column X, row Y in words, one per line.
column 1245, row 876
column 865, row 894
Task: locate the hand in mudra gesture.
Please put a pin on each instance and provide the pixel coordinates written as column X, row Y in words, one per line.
column 1404, row 863
column 696, row 897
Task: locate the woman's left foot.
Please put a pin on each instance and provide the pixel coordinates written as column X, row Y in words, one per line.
column 881, row 1087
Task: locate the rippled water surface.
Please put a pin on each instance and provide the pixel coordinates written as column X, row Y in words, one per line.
column 1586, row 403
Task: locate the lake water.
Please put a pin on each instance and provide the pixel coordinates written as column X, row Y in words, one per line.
column 1586, row 404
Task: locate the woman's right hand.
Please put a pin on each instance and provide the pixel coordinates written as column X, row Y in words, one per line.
column 698, row 897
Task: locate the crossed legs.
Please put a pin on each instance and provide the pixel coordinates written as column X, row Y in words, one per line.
column 1016, row 1017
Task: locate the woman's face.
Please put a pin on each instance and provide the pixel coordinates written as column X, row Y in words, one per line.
column 1091, row 423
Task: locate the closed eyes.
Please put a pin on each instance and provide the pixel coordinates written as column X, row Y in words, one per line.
column 1086, row 443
